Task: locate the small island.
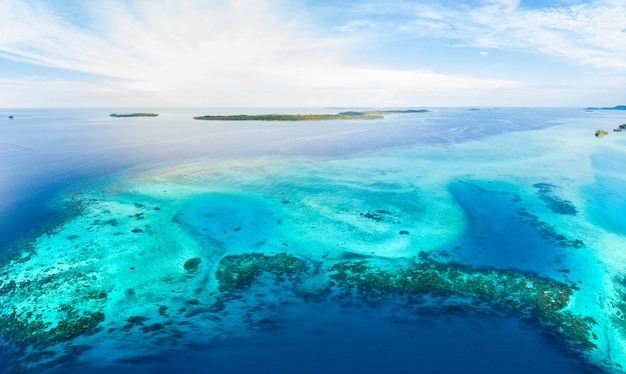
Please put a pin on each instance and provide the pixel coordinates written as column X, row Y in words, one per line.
column 351, row 115
column 617, row 107
column 601, row 133
column 135, row 115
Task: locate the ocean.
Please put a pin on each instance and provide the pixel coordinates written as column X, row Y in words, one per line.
column 458, row 240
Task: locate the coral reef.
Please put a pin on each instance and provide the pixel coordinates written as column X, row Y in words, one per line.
column 548, row 231
column 239, row 271
column 555, row 203
column 524, row 295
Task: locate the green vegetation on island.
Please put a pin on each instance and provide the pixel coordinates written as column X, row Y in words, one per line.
column 286, row 117
column 350, row 115
column 601, row 133
column 135, row 115
column 396, row 111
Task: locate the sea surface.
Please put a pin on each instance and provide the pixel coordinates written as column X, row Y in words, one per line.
column 459, row 240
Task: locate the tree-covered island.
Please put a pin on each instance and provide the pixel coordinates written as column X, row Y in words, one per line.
column 307, row 117
column 135, row 115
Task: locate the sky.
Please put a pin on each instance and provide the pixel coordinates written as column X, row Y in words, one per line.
column 255, row 53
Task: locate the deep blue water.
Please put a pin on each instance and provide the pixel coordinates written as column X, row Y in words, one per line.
column 332, row 339
column 45, row 152
column 505, row 242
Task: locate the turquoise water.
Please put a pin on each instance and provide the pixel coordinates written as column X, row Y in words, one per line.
column 477, row 241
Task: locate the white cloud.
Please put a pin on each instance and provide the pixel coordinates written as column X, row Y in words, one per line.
column 356, row 25
column 591, row 33
column 266, row 52
column 205, row 53
column 498, row 6
column 138, row 41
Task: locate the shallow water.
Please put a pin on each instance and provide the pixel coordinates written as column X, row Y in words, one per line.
column 132, row 216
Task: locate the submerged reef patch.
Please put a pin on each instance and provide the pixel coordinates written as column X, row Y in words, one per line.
column 548, row 231
column 554, row 203
column 25, row 321
column 619, row 317
column 238, row 271
column 422, row 283
column 192, row 264
column 525, row 296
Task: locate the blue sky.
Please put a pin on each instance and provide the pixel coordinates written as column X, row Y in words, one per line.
column 312, row 53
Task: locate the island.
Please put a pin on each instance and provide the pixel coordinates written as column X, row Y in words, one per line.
column 617, row 107
column 601, row 133
column 350, row 115
column 135, row 115
column 397, row 111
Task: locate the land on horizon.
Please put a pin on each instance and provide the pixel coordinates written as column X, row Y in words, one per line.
column 135, row 115
column 351, row 115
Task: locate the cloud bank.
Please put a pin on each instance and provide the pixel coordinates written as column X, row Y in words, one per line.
column 276, row 53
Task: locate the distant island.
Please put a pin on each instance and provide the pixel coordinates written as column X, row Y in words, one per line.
column 601, row 133
column 135, row 115
column 617, row 107
column 308, row 117
column 394, row 111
